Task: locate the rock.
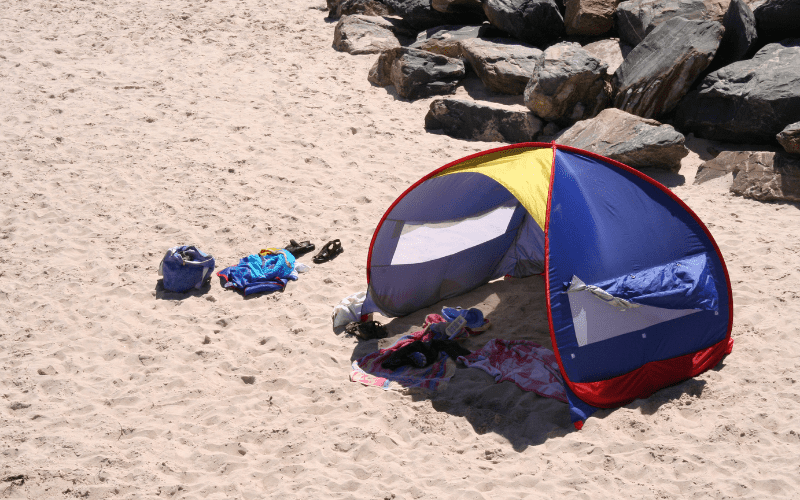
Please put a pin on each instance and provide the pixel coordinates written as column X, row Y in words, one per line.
column 445, row 40
column 419, row 14
column 339, row 8
column 550, row 131
column 659, row 71
column 739, row 40
column 777, row 20
column 482, row 122
column 589, row 17
column 611, row 51
column 504, row 66
column 789, row 138
column 764, row 175
column 635, row 141
column 458, row 6
column 417, row 73
column 568, row 84
column 637, row 18
column 749, row 101
column 537, row 22
column 715, row 168
column 367, row 34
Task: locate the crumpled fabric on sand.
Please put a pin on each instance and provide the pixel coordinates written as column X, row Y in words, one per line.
column 368, row 370
column 267, row 271
column 348, row 310
column 529, row 365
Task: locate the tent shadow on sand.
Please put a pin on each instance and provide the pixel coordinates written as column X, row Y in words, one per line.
column 517, row 310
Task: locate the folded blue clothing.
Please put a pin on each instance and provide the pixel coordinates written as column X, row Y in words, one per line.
column 473, row 316
column 267, row 271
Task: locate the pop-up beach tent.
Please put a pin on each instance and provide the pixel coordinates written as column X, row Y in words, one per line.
column 638, row 296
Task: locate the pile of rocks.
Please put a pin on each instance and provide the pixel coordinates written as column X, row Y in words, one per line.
column 623, row 79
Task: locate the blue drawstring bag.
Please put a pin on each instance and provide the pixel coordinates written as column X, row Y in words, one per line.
column 184, row 268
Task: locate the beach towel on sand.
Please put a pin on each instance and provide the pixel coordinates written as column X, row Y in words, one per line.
column 368, row 370
column 527, row 364
column 266, row 271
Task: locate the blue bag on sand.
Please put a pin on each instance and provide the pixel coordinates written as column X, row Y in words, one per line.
column 185, row 267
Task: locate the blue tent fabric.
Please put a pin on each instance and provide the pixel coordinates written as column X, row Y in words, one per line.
column 576, row 215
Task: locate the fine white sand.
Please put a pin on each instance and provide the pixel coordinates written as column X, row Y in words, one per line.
column 129, row 127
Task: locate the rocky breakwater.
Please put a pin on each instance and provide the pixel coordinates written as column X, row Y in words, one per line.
column 623, row 79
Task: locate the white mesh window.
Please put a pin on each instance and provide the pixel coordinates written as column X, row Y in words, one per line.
column 426, row 242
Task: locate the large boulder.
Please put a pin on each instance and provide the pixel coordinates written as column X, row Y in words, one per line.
column 777, row 20
column 359, row 34
column 789, row 138
column 739, row 40
column 421, row 15
column 504, row 66
column 482, row 122
column 538, row 22
column 568, row 84
column 445, row 40
column 637, row 18
column 417, row 73
column 659, row 71
column 339, row 8
column 749, row 101
column 589, row 17
column 635, row 141
column 610, row 50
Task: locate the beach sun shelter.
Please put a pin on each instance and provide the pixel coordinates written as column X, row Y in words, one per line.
column 638, row 296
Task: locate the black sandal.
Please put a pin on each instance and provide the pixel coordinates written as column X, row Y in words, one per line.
column 329, row 251
column 367, row 330
column 298, row 249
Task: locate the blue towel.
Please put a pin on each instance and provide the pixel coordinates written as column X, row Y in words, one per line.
column 267, row 271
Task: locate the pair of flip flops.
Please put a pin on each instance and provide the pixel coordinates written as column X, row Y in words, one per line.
column 298, row 249
column 329, row 251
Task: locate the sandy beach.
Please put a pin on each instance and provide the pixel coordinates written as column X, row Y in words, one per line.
column 128, row 128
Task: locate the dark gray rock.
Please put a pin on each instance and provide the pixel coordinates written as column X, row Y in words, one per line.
column 637, row 18
column 611, row 51
column 359, row 34
column 635, row 141
column 458, row 6
column 421, row 15
column 739, row 40
column 482, row 122
column 568, row 84
column 504, row 66
column 659, row 71
column 789, row 138
column 445, row 40
column 749, row 101
column 777, row 20
column 417, row 73
column 339, row 8
column 589, row 17
column 538, row 22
